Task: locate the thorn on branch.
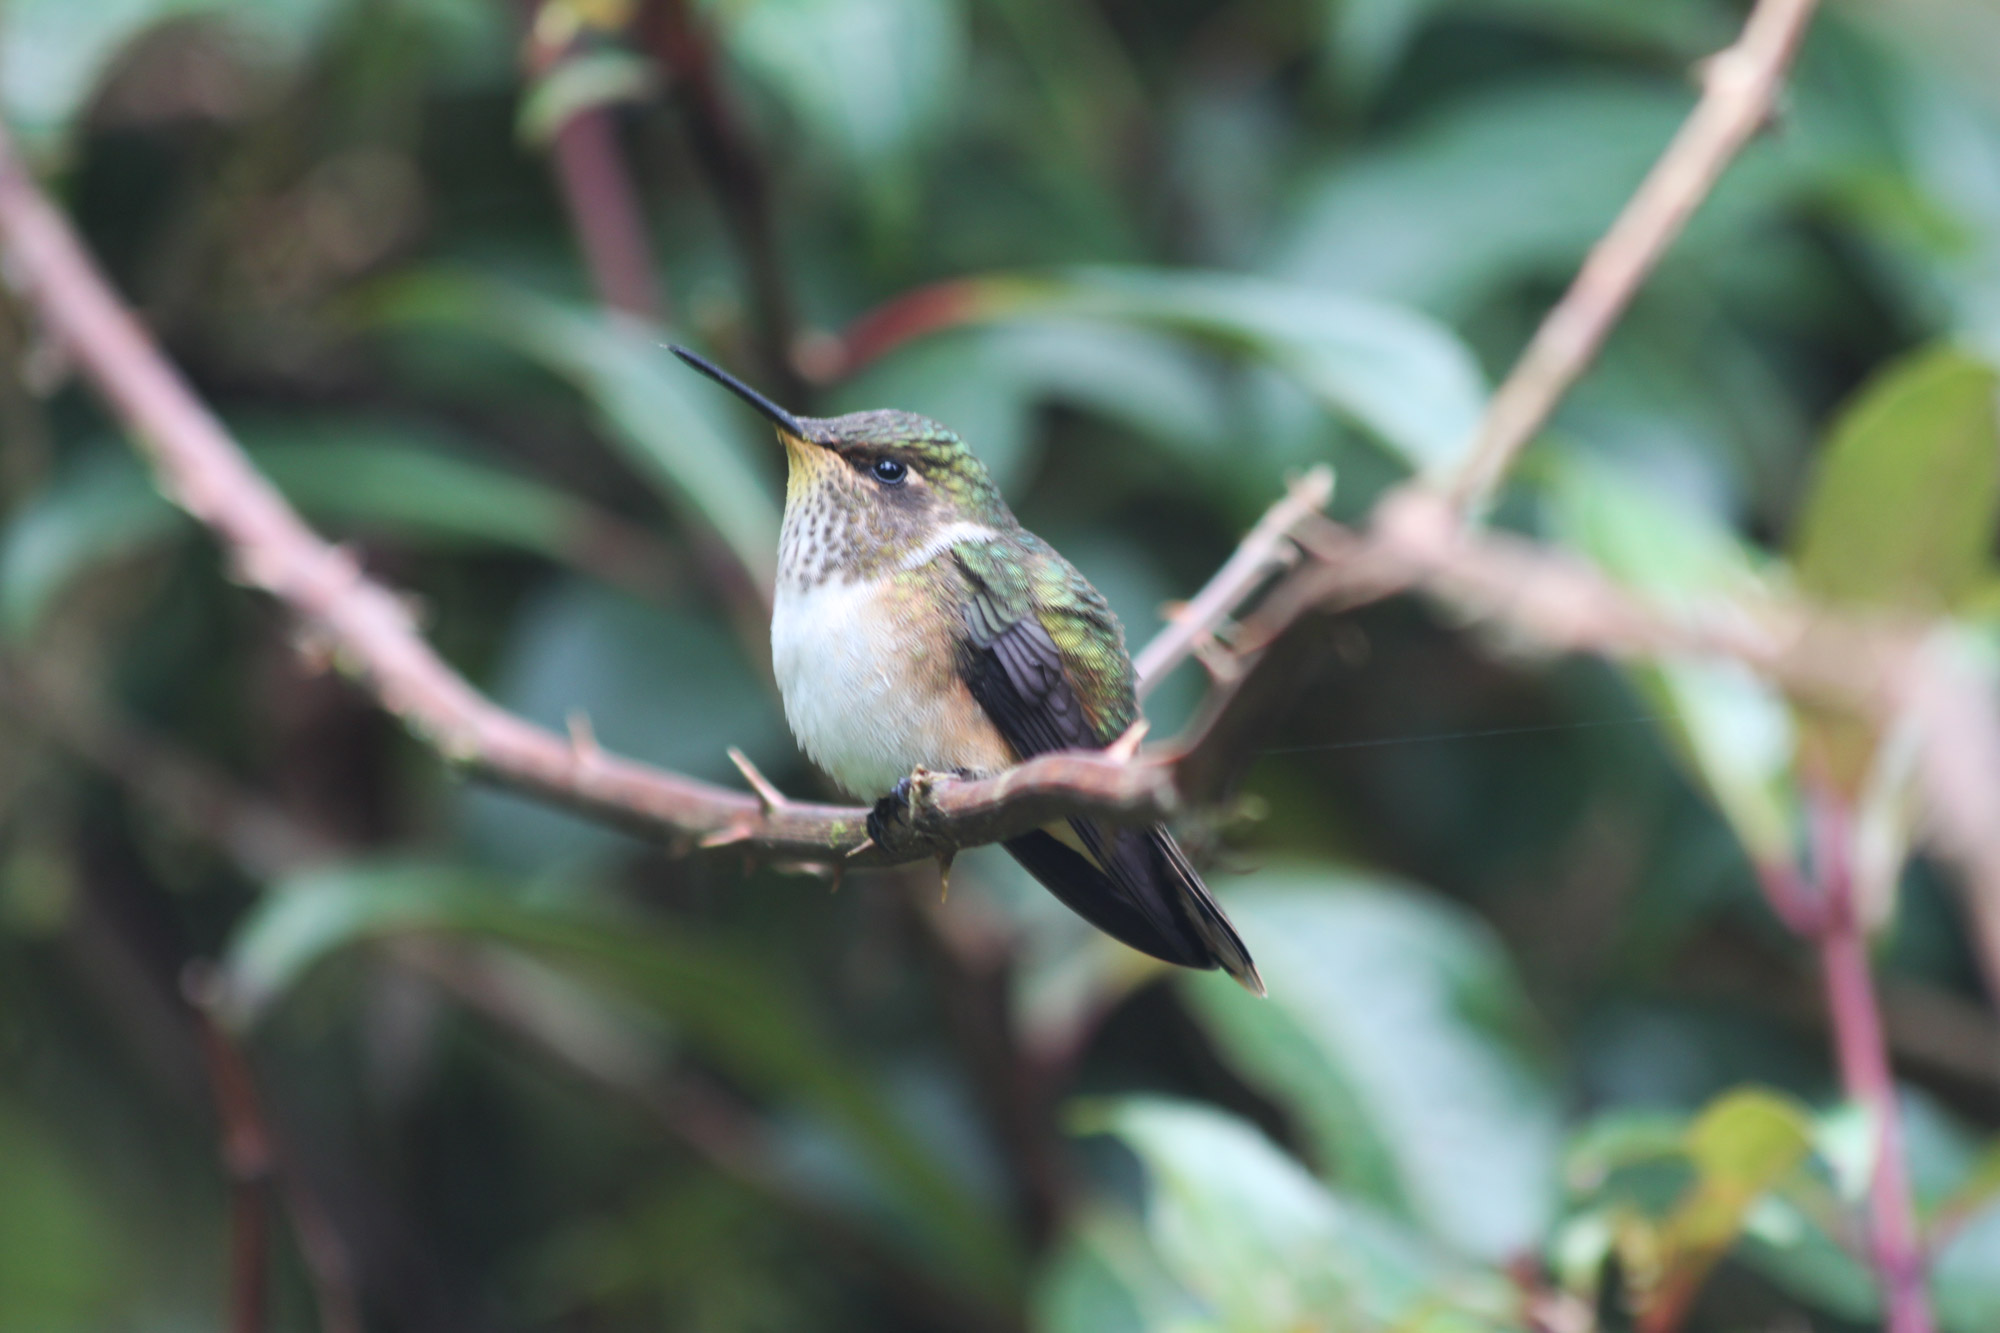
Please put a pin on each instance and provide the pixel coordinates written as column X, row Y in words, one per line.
column 768, row 794
column 583, row 747
column 1127, row 745
column 1223, row 666
column 727, row 837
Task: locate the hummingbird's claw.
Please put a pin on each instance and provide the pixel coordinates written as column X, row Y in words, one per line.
column 891, row 810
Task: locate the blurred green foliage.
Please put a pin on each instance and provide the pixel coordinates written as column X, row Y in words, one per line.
column 1534, row 1053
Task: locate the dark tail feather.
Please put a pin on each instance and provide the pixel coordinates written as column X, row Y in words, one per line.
column 1152, row 899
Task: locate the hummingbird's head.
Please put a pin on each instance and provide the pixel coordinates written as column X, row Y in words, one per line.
column 866, row 490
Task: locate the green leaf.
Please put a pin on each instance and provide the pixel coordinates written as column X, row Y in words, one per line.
column 57, row 50
column 1902, row 505
column 632, row 671
column 1105, row 1277
column 346, row 473
column 1742, row 1146
column 1965, row 1277
column 742, row 1013
column 581, row 83
column 870, row 81
column 1500, row 185
column 1746, row 1141
column 1732, row 729
column 1404, row 378
column 1263, row 1245
column 673, row 427
column 101, row 509
column 1397, row 1034
column 412, row 483
column 987, row 384
column 59, row 1260
column 1368, row 38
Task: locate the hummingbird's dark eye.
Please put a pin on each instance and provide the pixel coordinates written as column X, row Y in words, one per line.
column 889, row 472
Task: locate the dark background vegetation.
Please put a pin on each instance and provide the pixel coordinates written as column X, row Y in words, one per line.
column 524, row 1073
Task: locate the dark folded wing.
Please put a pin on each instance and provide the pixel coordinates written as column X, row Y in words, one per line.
column 1133, row 884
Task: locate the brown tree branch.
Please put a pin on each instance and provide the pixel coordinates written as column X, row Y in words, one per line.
column 246, row 1159
column 1266, row 550
column 371, row 634
column 1739, row 88
column 685, row 1105
column 254, row 1162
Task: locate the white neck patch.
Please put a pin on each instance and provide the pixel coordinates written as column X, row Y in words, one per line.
column 946, row 537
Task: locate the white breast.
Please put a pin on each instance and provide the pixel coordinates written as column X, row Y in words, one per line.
column 856, row 681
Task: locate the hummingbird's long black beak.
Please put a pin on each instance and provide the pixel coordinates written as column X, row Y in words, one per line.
column 779, row 416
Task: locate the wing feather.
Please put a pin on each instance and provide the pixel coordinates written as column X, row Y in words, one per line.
column 1023, row 657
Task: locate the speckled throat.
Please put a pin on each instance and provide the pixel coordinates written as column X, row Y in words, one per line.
column 837, row 524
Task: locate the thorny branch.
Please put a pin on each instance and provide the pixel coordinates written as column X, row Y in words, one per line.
column 371, row 633
column 1417, row 540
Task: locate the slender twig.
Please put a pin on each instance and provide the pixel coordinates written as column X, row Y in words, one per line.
column 246, row 1159
column 255, row 1163
column 1739, row 88
column 1414, row 541
column 1863, row 1057
column 703, row 1118
column 604, row 214
column 1264, row 551
column 597, row 192
column 700, row 1116
column 372, row 635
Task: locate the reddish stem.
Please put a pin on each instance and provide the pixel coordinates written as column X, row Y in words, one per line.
column 1865, row 1074
column 604, row 214
column 901, row 319
column 246, row 1158
column 597, row 192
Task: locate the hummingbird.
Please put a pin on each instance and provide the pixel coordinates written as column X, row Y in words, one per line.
column 917, row 625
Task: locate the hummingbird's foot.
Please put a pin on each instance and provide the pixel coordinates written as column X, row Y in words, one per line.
column 892, row 812
column 897, row 815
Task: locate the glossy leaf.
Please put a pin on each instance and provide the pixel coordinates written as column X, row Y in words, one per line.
column 663, row 686
column 1731, row 729
column 868, row 79
column 1406, row 380
column 677, row 430
column 1398, row 1035
column 741, row 1013
column 1903, row 502
column 1261, row 1244
column 987, row 384
column 102, row 509
column 1494, row 186
column 57, row 50
column 346, row 474
column 1107, row 1278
